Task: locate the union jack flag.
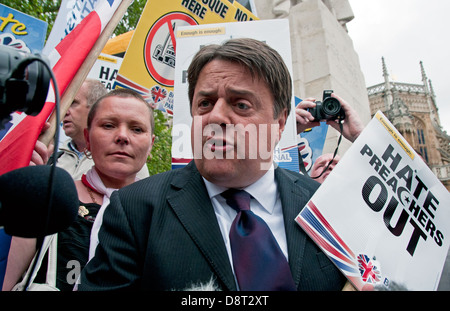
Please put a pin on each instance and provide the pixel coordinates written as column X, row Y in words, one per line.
column 158, row 94
column 305, row 151
column 370, row 273
column 359, row 270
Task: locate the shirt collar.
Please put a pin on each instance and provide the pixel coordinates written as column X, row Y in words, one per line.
column 71, row 146
column 264, row 190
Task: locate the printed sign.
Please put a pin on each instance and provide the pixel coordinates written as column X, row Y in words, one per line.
column 189, row 40
column 105, row 70
column 243, row 14
column 149, row 63
column 310, row 142
column 21, row 31
column 382, row 216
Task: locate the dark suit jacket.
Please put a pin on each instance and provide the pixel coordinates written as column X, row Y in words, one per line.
column 161, row 233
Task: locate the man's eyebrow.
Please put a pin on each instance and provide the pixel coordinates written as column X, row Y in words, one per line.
column 206, row 93
column 240, row 92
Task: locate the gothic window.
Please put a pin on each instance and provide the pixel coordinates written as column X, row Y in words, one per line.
column 422, row 144
column 423, row 151
column 420, row 137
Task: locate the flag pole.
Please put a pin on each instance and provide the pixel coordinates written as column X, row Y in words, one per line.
column 83, row 71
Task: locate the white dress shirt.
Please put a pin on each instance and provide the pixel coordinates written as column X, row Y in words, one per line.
column 265, row 203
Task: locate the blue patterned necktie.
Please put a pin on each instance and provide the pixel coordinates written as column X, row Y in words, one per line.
column 259, row 264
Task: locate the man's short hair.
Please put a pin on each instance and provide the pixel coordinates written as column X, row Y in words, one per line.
column 260, row 59
column 96, row 89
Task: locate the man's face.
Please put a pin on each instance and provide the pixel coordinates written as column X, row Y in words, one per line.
column 234, row 131
column 75, row 120
column 321, row 163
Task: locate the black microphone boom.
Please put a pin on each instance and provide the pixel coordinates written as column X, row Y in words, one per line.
column 24, row 197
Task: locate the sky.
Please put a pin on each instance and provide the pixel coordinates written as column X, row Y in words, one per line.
column 405, row 32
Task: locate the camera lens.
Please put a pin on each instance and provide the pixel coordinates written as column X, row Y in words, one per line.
column 24, row 82
column 331, row 107
column 39, row 80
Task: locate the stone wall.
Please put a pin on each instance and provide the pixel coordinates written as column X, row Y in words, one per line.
column 323, row 54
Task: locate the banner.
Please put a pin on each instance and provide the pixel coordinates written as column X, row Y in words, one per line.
column 382, row 216
column 149, row 63
column 17, row 145
column 189, row 39
column 70, row 14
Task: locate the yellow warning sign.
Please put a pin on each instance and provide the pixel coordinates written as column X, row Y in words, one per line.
column 149, row 63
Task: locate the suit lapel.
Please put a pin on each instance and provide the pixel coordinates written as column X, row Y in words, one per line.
column 293, row 199
column 193, row 207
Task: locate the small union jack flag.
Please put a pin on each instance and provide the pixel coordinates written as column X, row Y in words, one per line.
column 370, row 273
column 158, row 93
column 305, row 151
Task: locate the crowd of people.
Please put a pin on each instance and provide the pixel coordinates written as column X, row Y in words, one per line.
column 184, row 227
column 131, row 243
column 117, row 139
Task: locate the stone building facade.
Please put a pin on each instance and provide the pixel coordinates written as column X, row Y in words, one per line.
column 412, row 109
column 323, row 55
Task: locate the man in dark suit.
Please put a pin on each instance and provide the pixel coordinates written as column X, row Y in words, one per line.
column 171, row 231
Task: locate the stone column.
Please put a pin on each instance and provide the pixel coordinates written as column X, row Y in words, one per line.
column 323, row 54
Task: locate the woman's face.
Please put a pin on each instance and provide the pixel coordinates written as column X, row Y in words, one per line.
column 120, row 139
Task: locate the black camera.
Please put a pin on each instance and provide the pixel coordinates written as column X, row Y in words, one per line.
column 327, row 109
column 24, row 83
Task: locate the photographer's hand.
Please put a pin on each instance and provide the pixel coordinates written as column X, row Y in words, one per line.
column 353, row 125
column 303, row 117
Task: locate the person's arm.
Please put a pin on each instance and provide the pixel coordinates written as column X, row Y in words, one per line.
column 21, row 253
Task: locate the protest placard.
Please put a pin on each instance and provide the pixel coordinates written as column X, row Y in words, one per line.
column 189, row 39
column 149, row 63
column 381, row 216
column 105, row 69
column 242, row 14
column 311, row 142
column 21, row 31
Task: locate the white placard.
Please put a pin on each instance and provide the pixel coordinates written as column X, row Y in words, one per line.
column 382, row 216
column 189, row 39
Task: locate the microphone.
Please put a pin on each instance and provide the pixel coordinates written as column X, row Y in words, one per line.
column 29, row 209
